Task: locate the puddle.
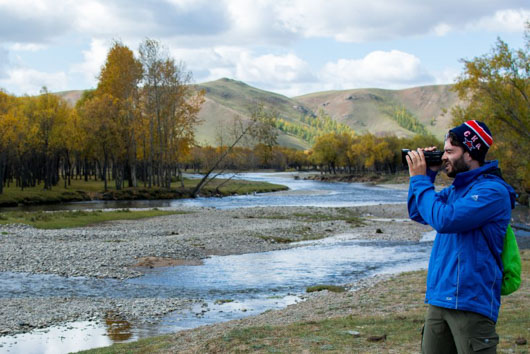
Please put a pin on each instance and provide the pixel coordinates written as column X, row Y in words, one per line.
column 73, row 337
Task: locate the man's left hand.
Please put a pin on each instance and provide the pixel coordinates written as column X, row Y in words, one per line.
column 416, row 162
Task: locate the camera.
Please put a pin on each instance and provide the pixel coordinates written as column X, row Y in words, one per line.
column 433, row 158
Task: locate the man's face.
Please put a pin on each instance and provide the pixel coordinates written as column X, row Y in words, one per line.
column 454, row 159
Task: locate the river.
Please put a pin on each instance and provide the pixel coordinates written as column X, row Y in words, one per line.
column 229, row 287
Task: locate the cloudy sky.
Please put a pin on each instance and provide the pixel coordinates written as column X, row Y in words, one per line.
column 290, row 47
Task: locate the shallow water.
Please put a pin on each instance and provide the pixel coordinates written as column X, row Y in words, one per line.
column 230, row 286
column 277, row 273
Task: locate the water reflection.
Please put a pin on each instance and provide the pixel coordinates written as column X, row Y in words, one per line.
column 118, row 329
column 74, row 337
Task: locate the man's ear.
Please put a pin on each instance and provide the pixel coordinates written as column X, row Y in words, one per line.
column 472, row 163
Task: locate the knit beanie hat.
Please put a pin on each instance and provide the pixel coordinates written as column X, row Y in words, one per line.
column 476, row 138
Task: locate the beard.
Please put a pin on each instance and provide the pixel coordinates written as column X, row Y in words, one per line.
column 458, row 166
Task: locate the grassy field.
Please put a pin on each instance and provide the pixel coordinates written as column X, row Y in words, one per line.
column 385, row 318
column 67, row 219
column 80, row 190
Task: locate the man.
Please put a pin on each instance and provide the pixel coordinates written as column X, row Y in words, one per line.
column 470, row 217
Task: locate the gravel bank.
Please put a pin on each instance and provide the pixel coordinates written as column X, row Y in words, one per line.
column 112, row 249
column 25, row 314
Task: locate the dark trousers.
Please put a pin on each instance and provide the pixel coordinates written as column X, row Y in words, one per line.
column 456, row 331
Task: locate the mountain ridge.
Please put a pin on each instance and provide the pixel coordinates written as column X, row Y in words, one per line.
column 403, row 112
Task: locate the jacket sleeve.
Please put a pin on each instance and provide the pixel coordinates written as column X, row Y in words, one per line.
column 482, row 203
column 414, row 213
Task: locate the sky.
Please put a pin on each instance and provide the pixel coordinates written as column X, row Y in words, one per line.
column 290, row 47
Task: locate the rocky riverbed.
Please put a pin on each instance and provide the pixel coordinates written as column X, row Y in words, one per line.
column 124, row 249
column 116, row 249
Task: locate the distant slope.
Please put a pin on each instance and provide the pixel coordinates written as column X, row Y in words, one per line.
column 226, row 98
column 372, row 110
column 70, row 96
column 364, row 110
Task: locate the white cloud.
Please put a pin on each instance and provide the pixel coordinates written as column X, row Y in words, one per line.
column 272, row 68
column 242, row 64
column 446, row 76
column 94, row 59
column 159, row 19
column 4, row 60
column 259, row 22
column 254, row 41
column 362, row 21
column 394, row 69
column 29, row 81
column 442, row 29
column 27, row 47
column 510, row 20
column 33, row 21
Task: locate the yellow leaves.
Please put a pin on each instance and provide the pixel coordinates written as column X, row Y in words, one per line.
column 496, row 89
column 121, row 74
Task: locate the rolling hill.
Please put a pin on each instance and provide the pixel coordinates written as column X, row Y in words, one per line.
column 378, row 111
column 226, row 98
column 375, row 110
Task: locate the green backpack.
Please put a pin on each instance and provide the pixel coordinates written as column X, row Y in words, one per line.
column 511, row 261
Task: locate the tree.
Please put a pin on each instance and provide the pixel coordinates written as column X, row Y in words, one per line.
column 119, row 79
column 496, row 89
column 260, row 127
column 171, row 106
column 12, row 124
column 47, row 115
column 325, row 151
column 100, row 128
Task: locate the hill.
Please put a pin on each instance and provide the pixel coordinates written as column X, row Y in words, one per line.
column 226, row 98
column 378, row 111
column 383, row 112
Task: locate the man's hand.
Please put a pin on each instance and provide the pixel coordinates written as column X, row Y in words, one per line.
column 416, row 162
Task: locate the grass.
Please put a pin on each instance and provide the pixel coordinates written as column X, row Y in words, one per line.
column 80, row 190
column 223, row 301
column 321, row 287
column 305, row 232
column 68, row 219
column 344, row 214
column 393, row 308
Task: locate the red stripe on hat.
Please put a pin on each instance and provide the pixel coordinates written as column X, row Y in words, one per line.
column 481, row 132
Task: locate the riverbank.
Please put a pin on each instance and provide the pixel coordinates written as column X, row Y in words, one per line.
column 400, row 178
column 125, row 249
column 80, row 190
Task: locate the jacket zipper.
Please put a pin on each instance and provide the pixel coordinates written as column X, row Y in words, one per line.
column 457, row 281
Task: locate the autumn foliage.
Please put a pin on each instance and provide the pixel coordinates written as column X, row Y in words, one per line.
column 137, row 123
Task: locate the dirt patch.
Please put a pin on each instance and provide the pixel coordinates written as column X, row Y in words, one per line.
column 155, row 262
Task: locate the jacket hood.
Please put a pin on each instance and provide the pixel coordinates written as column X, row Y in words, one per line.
column 490, row 169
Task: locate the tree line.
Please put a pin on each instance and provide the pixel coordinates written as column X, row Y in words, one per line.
column 311, row 126
column 138, row 124
column 332, row 153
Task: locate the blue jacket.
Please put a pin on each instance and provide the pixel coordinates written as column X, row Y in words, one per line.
column 470, row 217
